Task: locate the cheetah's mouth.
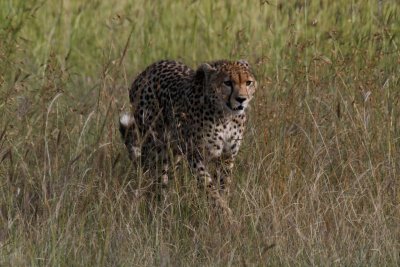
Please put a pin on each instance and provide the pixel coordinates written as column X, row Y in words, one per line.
column 238, row 108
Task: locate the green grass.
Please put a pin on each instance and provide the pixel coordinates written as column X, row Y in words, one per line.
column 316, row 181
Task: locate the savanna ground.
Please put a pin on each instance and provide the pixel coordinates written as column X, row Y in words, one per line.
column 317, row 179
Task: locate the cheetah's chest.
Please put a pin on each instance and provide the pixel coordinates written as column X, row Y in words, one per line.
column 224, row 140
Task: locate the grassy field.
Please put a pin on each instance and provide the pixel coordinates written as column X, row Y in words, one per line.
column 317, row 181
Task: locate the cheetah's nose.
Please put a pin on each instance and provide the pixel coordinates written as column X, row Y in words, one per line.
column 240, row 99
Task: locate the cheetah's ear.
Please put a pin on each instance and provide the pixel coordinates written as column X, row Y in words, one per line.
column 244, row 63
column 204, row 71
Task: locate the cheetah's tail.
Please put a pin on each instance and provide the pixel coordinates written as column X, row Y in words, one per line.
column 127, row 129
column 125, row 122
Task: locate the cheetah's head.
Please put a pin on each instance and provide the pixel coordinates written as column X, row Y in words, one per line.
column 232, row 82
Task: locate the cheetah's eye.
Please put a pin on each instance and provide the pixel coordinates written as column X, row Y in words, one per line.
column 228, row 83
column 248, row 83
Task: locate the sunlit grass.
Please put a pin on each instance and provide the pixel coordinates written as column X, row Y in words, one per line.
column 316, row 181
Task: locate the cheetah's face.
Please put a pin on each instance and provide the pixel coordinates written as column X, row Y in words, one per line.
column 233, row 84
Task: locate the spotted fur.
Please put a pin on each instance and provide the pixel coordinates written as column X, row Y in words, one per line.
column 199, row 114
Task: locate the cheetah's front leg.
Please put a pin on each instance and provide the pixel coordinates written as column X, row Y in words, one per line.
column 205, row 181
column 224, row 174
column 200, row 171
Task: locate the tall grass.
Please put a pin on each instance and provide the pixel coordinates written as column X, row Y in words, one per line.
column 317, row 179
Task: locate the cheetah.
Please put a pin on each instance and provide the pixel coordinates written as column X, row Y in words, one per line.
column 199, row 115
